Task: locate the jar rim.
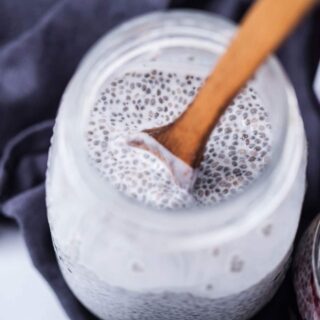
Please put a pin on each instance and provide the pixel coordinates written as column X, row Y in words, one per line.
column 196, row 224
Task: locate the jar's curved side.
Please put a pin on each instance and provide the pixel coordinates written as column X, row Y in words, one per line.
column 80, row 230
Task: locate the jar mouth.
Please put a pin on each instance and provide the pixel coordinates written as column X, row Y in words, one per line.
column 219, row 221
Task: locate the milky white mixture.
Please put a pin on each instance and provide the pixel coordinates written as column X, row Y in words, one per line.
column 130, row 102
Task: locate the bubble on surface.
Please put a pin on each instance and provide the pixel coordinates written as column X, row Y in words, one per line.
column 237, row 264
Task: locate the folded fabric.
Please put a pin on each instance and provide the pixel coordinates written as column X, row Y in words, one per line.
column 41, row 44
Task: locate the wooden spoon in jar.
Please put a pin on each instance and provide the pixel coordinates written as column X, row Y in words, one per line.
column 265, row 26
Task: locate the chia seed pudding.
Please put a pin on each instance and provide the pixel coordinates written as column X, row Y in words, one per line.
column 133, row 240
column 237, row 151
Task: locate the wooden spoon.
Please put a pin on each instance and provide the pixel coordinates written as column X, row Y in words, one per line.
column 262, row 30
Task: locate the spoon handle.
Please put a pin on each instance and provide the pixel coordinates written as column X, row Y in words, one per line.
column 262, row 30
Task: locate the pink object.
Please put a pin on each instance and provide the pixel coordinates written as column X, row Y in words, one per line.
column 306, row 273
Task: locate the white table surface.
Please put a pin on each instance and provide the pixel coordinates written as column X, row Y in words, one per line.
column 24, row 295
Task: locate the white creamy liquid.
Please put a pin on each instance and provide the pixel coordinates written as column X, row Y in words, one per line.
column 137, row 99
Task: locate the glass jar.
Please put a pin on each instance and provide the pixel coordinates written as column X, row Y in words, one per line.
column 124, row 260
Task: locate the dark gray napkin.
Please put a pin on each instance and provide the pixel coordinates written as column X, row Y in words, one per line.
column 41, row 44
